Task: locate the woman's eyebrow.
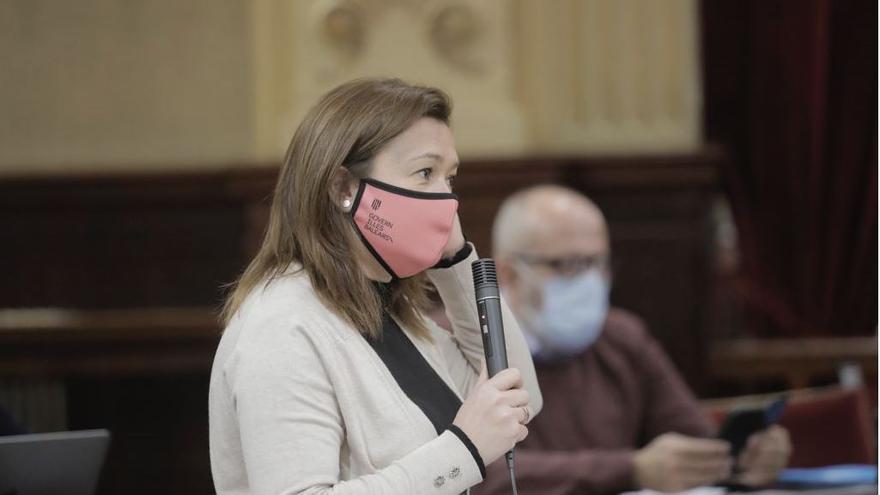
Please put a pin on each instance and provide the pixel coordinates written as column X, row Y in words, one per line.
column 434, row 156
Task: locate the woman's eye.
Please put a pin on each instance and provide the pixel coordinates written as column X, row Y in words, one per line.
column 425, row 173
column 450, row 180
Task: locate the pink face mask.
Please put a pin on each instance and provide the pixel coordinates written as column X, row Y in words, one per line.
column 405, row 230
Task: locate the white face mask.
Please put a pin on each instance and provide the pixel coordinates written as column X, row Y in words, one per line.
column 571, row 317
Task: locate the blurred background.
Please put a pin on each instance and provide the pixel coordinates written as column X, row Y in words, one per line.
column 732, row 144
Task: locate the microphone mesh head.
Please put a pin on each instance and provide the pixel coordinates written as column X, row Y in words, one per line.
column 484, row 272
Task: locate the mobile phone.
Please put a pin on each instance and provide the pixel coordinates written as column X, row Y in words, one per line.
column 740, row 424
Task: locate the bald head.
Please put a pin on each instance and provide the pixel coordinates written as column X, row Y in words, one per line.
column 550, row 221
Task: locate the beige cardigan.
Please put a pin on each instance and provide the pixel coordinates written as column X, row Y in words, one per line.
column 301, row 404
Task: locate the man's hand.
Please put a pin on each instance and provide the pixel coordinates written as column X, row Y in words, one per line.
column 673, row 462
column 765, row 454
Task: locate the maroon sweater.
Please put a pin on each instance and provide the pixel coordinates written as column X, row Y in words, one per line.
column 598, row 408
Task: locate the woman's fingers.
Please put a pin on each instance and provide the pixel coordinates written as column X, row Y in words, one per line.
column 484, row 373
column 516, row 397
column 507, row 379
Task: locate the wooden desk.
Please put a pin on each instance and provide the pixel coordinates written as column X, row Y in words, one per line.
column 797, row 361
column 60, row 342
column 141, row 373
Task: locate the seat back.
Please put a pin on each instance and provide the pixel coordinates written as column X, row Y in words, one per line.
column 827, row 425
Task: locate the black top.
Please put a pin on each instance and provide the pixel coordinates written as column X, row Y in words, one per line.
column 416, row 377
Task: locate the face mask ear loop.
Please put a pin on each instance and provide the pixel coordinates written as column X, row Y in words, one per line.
column 530, row 280
column 356, row 200
column 608, row 273
column 351, row 213
column 521, row 266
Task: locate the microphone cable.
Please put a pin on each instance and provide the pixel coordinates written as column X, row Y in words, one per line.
column 509, row 457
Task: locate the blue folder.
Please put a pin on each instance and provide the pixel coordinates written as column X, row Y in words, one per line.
column 843, row 474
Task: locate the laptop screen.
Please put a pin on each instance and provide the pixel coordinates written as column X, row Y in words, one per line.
column 48, row 463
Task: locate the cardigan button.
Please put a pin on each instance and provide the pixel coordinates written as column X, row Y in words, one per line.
column 454, row 473
column 439, row 481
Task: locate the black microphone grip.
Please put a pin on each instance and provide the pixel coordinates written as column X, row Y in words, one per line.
column 492, row 328
column 489, row 314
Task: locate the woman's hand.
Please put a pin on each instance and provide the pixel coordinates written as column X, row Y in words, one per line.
column 494, row 415
column 456, row 240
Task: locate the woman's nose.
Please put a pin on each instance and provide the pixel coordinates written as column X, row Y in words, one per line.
column 441, row 186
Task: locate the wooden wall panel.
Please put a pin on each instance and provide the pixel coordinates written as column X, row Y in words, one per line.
column 658, row 210
column 117, row 242
column 171, row 240
column 131, row 251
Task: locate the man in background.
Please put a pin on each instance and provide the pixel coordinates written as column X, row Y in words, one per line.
column 617, row 415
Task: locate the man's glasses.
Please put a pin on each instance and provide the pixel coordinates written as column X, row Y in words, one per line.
column 568, row 265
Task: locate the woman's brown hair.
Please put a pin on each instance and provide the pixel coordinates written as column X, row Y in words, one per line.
column 347, row 127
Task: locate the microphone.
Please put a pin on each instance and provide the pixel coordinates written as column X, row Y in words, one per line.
column 491, row 327
column 489, row 312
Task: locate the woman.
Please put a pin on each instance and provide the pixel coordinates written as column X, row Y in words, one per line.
column 328, row 379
